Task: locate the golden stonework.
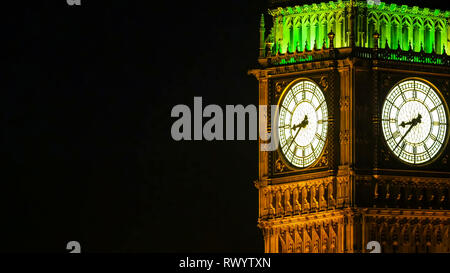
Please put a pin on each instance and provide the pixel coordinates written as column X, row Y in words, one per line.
column 382, row 174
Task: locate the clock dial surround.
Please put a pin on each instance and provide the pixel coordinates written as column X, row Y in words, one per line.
column 302, row 123
column 415, row 121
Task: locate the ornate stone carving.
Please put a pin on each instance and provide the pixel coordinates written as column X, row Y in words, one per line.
column 344, row 137
column 445, row 160
column 322, row 201
column 297, row 205
column 387, row 81
column 409, row 232
column 324, row 83
column 323, row 161
column 344, row 103
column 331, row 201
column 280, row 166
column 279, row 87
column 401, row 193
column 311, row 236
column 305, row 203
column 287, row 202
column 447, row 89
column 385, row 155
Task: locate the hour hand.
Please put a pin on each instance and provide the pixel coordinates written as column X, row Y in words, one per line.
column 413, row 122
column 403, row 124
column 303, row 124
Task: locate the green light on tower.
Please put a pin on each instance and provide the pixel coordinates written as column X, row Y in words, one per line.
column 400, row 27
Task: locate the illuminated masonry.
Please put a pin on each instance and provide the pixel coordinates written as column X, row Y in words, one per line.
column 363, row 90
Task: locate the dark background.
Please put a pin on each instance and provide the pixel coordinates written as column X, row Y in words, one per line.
column 88, row 118
column 89, row 155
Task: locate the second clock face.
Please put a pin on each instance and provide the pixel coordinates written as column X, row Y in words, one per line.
column 414, row 121
column 302, row 123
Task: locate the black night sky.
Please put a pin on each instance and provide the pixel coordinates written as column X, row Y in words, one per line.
column 89, row 155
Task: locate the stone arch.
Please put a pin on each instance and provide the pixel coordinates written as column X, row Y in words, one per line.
column 306, row 32
column 406, row 32
column 396, row 32
column 315, row 31
column 372, row 16
column 384, row 236
column 384, row 31
column 372, row 27
column 340, row 30
column 428, row 39
column 439, row 37
column 417, row 37
column 323, row 27
column 427, row 235
column 395, row 237
column 405, row 238
column 297, row 29
column 298, row 242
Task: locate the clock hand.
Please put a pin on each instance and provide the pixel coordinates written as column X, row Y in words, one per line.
column 413, row 123
column 301, row 125
column 403, row 124
column 407, row 132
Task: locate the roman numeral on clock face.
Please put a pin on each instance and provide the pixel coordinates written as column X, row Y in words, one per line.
column 396, row 134
column 295, row 99
column 289, row 141
column 402, row 146
column 319, row 137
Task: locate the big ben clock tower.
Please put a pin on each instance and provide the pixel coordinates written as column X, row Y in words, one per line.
column 362, row 90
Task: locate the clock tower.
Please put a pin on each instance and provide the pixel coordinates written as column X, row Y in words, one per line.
column 362, row 90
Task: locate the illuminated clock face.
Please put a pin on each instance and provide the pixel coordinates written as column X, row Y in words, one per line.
column 414, row 122
column 302, row 123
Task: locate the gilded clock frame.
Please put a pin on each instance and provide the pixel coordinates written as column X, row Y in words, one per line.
column 279, row 102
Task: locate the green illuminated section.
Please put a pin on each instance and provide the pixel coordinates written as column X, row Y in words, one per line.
column 296, row 60
column 400, row 27
column 415, row 59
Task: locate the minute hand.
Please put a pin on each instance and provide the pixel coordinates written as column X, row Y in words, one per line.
column 407, row 132
column 413, row 123
column 294, row 138
column 299, row 126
